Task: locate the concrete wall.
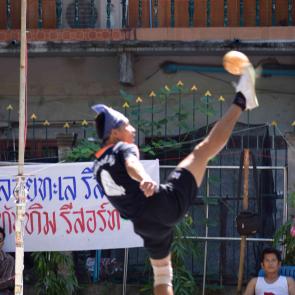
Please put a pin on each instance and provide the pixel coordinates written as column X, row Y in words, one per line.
column 64, row 88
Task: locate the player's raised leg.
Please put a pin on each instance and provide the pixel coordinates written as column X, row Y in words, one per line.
column 245, row 99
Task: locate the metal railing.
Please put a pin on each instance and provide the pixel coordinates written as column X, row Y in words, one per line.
column 206, row 238
column 150, row 13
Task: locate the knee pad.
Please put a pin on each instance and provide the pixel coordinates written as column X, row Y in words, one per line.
column 163, row 275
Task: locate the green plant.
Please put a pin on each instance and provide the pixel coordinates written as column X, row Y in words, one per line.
column 55, row 273
column 84, row 151
column 183, row 281
column 284, row 237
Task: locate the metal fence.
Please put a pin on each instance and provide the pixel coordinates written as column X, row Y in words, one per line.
column 215, row 235
column 169, row 125
column 148, row 13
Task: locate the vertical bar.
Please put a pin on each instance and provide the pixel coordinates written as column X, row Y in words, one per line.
column 34, row 138
column 9, row 132
column 194, row 110
column 179, row 121
column 84, row 126
column 125, row 271
column 46, row 137
column 151, row 13
column 8, row 14
column 140, row 13
column 138, row 101
column 166, row 127
column 58, row 13
column 152, row 95
column 152, row 117
column 290, row 8
column 166, row 114
column 109, row 3
column 241, row 13
column 273, row 12
column 20, row 192
column 225, row 11
column 222, row 244
column 208, row 13
column 92, row 14
column 40, row 14
column 276, row 155
column 248, row 131
column 96, row 271
column 207, row 112
column 191, row 9
column 285, row 212
column 155, row 9
column 243, row 243
column 77, row 14
column 23, row 88
column 172, row 14
column 257, row 13
column 124, row 14
column 206, row 233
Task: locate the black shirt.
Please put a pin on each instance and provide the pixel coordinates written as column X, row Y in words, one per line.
column 121, row 190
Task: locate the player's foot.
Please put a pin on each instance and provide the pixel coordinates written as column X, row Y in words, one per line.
column 246, row 86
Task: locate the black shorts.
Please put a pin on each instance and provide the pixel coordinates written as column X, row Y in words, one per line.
column 164, row 210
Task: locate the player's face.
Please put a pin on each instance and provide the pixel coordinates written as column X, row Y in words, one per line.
column 270, row 263
column 126, row 132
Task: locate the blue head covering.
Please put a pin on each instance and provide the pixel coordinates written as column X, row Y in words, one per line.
column 113, row 118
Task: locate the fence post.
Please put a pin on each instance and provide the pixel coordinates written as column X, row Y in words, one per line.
column 58, row 13
column 139, row 13
column 245, row 207
column 124, row 14
column 77, row 14
column 109, row 3
column 291, row 168
column 8, row 14
column 172, row 12
column 191, row 9
column 40, row 15
column 64, row 145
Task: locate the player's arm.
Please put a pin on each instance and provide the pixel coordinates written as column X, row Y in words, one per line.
column 291, row 285
column 250, row 290
column 136, row 171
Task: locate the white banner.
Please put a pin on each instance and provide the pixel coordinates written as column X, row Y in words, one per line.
column 66, row 209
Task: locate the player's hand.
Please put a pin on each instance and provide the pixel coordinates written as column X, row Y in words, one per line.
column 148, row 186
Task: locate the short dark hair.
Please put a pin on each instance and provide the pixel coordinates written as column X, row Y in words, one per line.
column 99, row 124
column 2, row 231
column 270, row 250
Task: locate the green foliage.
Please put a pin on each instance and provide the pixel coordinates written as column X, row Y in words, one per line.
column 158, row 145
column 291, row 200
column 55, row 273
column 183, row 281
column 84, row 151
column 283, row 236
column 127, row 97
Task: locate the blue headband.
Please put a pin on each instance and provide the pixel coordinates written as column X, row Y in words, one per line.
column 113, row 118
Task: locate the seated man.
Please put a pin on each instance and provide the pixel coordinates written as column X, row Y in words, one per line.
column 272, row 283
column 6, row 268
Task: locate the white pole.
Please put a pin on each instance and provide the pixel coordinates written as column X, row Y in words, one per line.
column 20, row 192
